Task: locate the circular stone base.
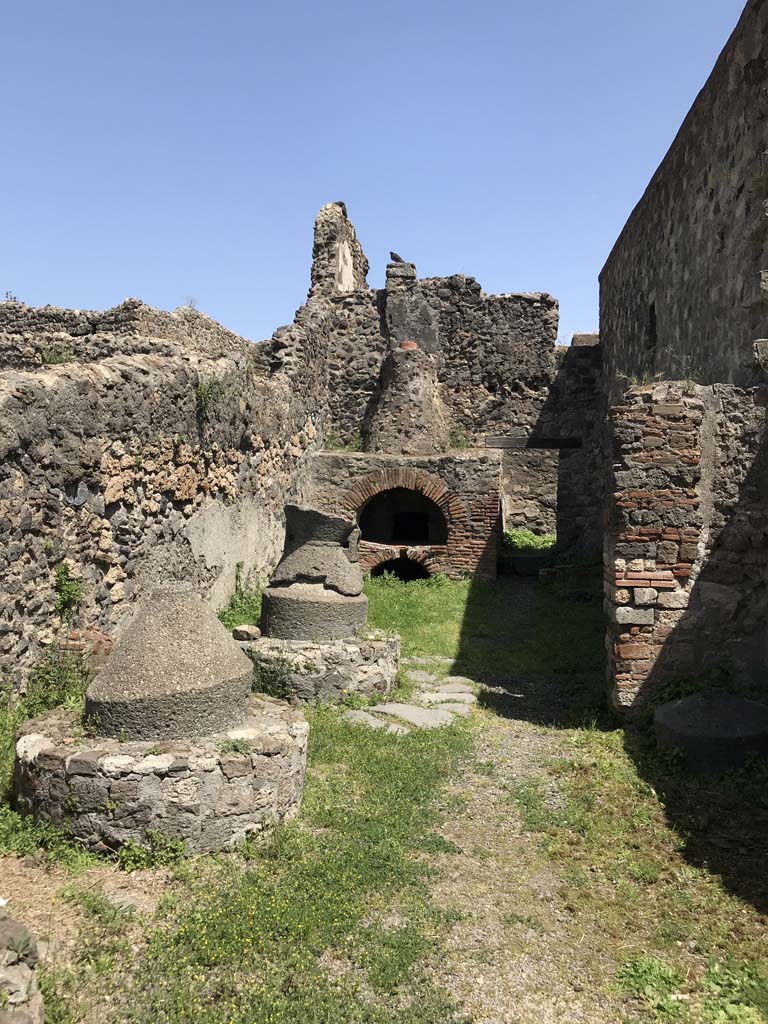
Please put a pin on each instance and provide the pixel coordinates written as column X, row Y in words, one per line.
column 714, row 732
column 307, row 611
column 209, row 792
column 301, row 670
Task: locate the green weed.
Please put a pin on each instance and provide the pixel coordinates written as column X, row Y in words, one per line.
column 209, row 391
column 244, row 608
column 524, row 541
column 235, row 747
column 271, row 675
column 336, row 443
column 69, row 591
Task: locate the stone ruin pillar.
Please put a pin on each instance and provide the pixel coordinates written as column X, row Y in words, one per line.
column 315, row 644
column 172, row 740
column 339, row 265
column 408, row 416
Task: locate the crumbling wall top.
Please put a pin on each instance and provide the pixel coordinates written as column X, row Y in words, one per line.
column 339, row 265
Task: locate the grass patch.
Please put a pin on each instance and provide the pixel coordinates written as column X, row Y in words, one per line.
column 60, row 680
column 671, row 928
column 656, row 881
column 160, row 851
column 479, row 625
column 517, row 544
column 251, row 940
column 526, row 541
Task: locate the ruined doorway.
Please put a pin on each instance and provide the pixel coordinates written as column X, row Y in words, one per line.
column 406, row 569
column 402, row 516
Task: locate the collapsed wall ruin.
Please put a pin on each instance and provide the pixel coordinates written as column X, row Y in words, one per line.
column 138, row 445
column 463, row 399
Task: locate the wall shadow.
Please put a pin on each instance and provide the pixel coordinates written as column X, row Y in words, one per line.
column 538, row 648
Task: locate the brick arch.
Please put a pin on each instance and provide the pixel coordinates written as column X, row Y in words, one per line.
column 433, row 559
column 428, row 484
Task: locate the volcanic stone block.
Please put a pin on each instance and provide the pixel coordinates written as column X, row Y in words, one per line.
column 174, row 672
column 714, row 731
column 20, row 999
column 319, row 548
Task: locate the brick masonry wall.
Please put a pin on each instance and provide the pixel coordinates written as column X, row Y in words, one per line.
column 464, row 486
column 687, row 538
column 684, row 291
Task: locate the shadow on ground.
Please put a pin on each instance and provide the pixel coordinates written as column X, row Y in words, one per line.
column 721, row 821
column 541, row 651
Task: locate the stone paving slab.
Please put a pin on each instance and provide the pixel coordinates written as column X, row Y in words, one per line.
column 418, row 676
column 360, row 717
column 455, row 687
column 449, row 697
column 422, row 718
column 462, row 710
column 456, row 680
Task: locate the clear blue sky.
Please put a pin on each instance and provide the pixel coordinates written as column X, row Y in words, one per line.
column 172, row 149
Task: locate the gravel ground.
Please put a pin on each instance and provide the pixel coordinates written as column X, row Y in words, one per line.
column 516, row 954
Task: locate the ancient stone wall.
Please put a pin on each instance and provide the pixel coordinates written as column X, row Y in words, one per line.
column 209, row 792
column 529, row 489
column 575, row 411
column 131, row 457
column 684, row 294
column 687, row 538
column 496, row 373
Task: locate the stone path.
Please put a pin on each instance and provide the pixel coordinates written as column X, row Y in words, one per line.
column 435, row 702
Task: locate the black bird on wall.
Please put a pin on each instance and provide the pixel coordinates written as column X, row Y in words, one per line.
column 395, row 258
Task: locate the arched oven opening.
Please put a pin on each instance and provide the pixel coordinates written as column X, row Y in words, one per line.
column 402, row 516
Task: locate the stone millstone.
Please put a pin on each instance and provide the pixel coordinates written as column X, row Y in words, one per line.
column 307, row 611
column 715, row 732
column 174, row 672
column 315, row 593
